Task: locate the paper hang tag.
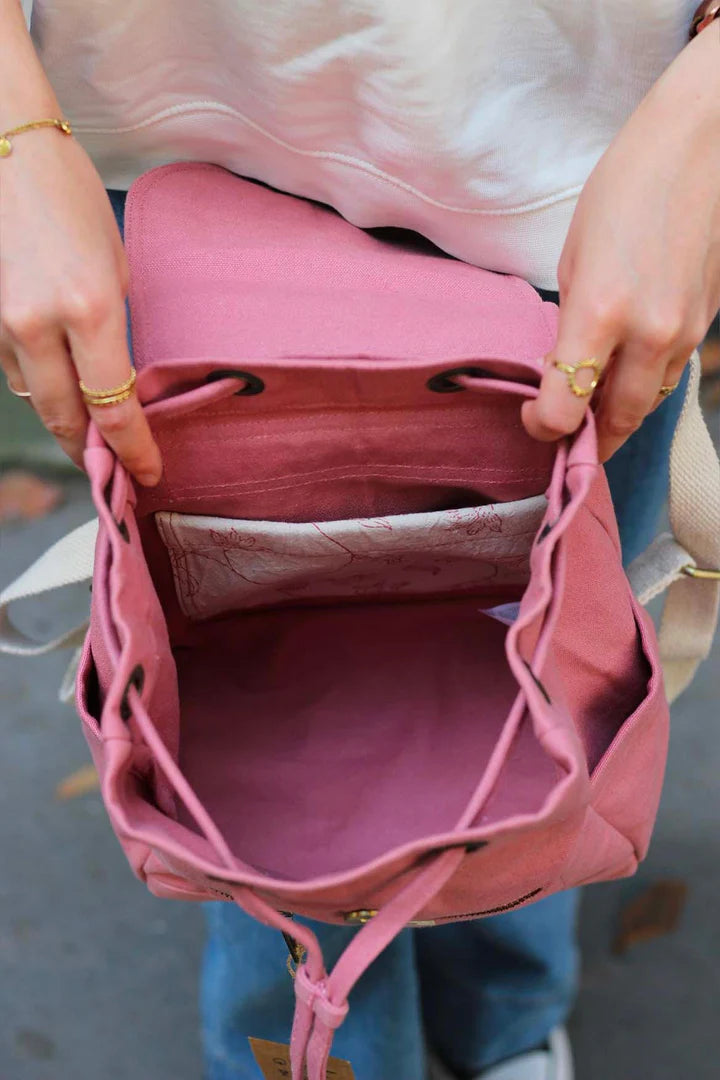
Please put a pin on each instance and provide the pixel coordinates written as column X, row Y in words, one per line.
column 274, row 1061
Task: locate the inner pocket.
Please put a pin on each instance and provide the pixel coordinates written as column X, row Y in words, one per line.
column 344, row 684
column 222, row 565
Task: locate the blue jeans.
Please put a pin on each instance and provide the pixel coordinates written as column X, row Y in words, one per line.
column 478, row 992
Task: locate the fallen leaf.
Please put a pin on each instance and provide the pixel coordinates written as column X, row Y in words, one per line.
column 652, row 914
column 81, row 782
column 24, row 497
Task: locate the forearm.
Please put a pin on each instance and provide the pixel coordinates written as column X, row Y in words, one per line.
column 25, row 92
column 691, row 85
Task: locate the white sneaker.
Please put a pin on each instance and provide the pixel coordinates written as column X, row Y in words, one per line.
column 552, row 1064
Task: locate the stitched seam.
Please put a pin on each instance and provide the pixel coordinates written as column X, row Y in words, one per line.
column 388, row 472
column 372, row 469
column 287, row 430
column 368, row 411
column 359, row 164
column 453, row 546
column 233, row 488
column 233, row 491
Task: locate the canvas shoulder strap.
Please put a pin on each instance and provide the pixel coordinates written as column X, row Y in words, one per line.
column 67, row 562
column 686, row 562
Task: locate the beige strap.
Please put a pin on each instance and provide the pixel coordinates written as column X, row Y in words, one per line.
column 67, row 562
column 691, row 606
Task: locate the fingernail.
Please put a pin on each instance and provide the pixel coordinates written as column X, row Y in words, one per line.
column 149, row 479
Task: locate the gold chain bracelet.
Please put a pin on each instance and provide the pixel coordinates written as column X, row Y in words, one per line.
column 6, row 145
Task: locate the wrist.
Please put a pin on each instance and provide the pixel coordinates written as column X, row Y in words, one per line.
column 21, row 111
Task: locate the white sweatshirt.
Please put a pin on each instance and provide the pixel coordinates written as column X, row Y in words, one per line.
column 474, row 122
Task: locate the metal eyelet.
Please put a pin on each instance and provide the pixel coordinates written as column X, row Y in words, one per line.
column 444, row 381
column 253, row 384
column 700, row 574
column 137, row 679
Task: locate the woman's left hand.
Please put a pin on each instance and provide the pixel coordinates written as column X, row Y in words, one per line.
column 639, row 275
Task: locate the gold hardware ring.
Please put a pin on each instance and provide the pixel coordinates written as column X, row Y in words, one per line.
column 703, row 575
column 571, row 370
column 113, row 396
column 666, row 391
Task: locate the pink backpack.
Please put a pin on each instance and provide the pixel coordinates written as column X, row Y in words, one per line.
column 368, row 653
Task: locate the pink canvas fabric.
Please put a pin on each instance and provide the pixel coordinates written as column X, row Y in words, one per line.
column 455, row 707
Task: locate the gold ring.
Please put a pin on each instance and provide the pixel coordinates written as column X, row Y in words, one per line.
column 17, row 393
column 571, row 371
column 113, row 396
column 666, row 391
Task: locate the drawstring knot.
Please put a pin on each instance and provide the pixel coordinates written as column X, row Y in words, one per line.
column 314, row 995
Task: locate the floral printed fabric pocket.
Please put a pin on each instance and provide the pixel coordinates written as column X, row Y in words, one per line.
column 221, row 565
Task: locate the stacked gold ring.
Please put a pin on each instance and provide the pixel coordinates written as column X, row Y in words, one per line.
column 115, row 396
column 571, row 370
column 666, row 391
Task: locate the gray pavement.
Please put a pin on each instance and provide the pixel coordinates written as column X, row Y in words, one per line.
column 98, row 978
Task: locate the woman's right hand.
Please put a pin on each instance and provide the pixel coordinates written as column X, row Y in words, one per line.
column 63, row 283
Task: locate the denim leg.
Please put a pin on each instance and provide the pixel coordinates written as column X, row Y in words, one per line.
column 638, row 474
column 117, row 201
column 495, row 988
column 246, row 990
